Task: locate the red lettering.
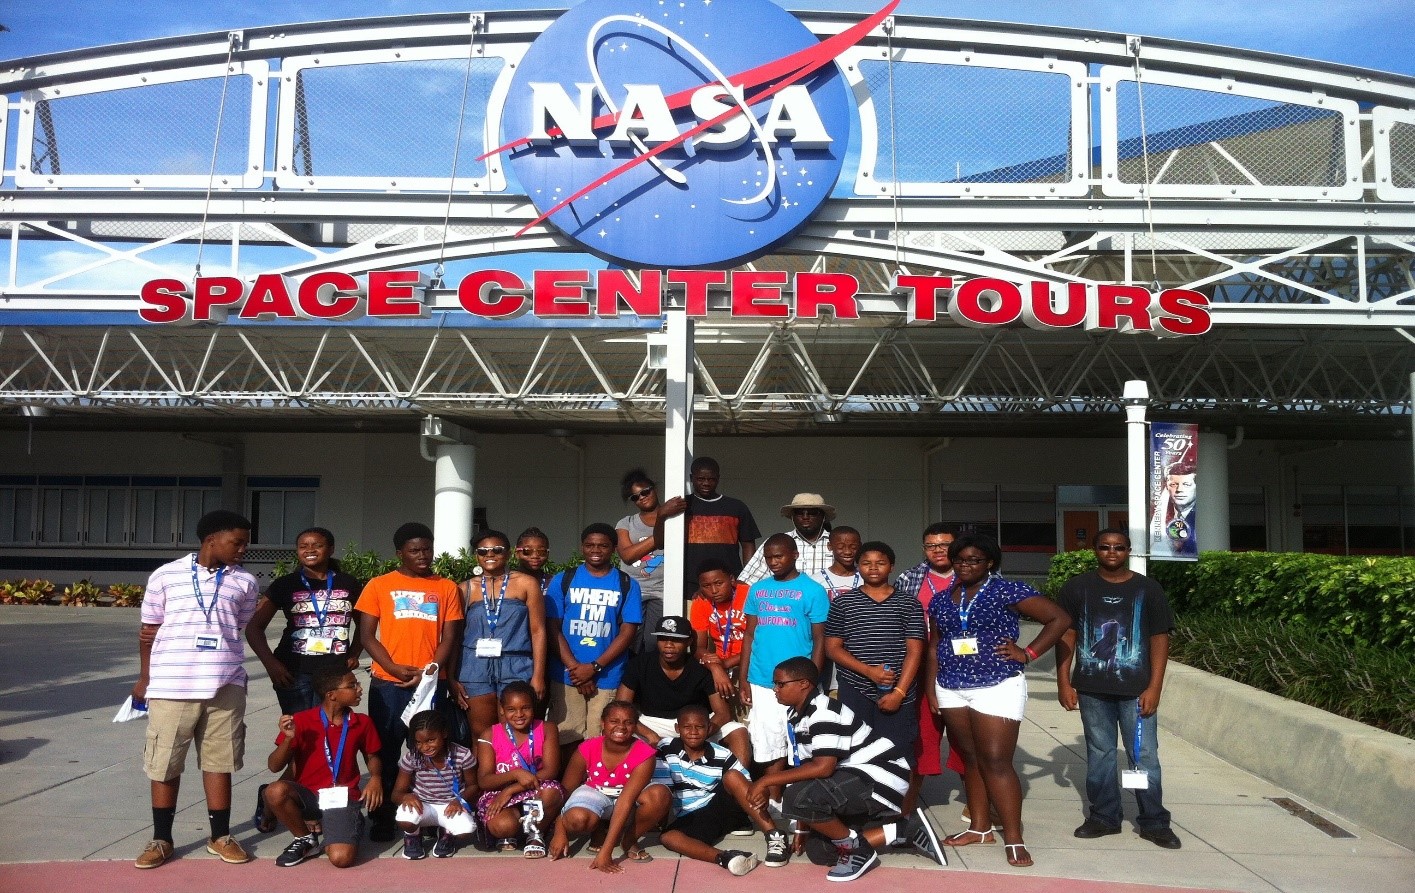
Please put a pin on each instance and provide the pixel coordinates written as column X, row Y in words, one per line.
column 166, row 300
column 560, row 294
column 1041, row 313
column 476, row 289
column 323, row 295
column 1184, row 312
column 758, row 293
column 644, row 300
column 834, row 290
column 1117, row 302
column 215, row 293
column 396, row 293
column 270, row 296
column 923, row 296
column 695, row 287
column 972, row 307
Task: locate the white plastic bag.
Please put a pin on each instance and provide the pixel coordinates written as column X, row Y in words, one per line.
column 422, row 697
column 128, row 711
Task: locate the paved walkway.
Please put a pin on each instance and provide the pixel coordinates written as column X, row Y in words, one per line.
column 74, row 805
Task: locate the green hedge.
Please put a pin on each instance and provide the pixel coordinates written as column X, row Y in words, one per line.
column 1333, row 672
column 364, row 565
column 1369, row 600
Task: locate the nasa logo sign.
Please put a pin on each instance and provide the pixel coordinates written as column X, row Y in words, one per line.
column 678, row 133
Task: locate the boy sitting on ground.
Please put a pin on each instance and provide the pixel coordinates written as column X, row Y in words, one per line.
column 318, row 746
column 841, row 773
column 709, row 789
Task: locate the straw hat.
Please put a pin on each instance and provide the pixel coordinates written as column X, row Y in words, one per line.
column 808, row 501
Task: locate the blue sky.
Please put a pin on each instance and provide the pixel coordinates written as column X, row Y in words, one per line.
column 1367, row 33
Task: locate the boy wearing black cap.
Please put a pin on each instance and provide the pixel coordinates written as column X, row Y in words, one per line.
column 663, row 683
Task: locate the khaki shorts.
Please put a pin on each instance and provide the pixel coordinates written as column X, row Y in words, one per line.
column 218, row 724
column 578, row 718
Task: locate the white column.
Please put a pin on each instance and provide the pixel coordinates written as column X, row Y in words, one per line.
column 677, row 451
column 453, row 474
column 1137, row 400
column 1211, row 513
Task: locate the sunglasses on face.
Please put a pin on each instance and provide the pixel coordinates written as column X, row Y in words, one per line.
column 526, row 550
column 635, row 497
column 491, row 550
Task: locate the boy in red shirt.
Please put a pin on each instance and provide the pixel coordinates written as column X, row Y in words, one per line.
column 718, row 621
column 318, row 746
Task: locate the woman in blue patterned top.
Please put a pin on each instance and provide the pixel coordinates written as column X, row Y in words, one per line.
column 980, row 689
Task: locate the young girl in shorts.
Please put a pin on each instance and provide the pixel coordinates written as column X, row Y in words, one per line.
column 518, row 763
column 607, row 778
column 437, row 780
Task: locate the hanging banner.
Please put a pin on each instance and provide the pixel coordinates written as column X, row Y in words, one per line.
column 1174, row 465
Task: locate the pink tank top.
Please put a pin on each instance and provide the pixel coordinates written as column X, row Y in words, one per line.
column 512, row 756
column 611, row 781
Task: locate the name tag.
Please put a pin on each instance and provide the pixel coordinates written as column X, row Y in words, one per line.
column 1135, row 779
column 206, row 641
column 965, row 645
column 319, row 645
column 488, row 647
column 333, row 798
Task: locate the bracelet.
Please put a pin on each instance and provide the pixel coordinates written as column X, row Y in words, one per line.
column 1031, row 655
column 902, row 693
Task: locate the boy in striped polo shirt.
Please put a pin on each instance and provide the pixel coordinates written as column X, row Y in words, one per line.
column 708, row 788
column 841, row 773
column 190, row 650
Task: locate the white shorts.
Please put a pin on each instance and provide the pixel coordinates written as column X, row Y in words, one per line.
column 662, row 726
column 767, row 725
column 1006, row 699
column 433, row 816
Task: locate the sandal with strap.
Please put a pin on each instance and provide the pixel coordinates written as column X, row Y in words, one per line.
column 638, row 855
column 968, row 837
column 1016, row 861
column 506, row 845
column 534, row 849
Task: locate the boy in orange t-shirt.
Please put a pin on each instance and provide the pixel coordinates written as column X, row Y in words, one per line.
column 409, row 621
column 717, row 618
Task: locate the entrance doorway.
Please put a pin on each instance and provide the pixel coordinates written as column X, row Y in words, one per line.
column 1080, row 524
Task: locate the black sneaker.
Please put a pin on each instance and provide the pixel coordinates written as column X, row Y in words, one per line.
column 300, row 849
column 820, row 850
column 383, row 829
column 777, row 852
column 413, row 847
column 262, row 821
column 853, row 861
column 919, row 834
column 445, row 847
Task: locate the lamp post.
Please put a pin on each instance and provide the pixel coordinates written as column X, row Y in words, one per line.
column 1136, row 398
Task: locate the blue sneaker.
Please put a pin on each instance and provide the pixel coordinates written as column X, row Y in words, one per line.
column 853, row 861
column 413, row 847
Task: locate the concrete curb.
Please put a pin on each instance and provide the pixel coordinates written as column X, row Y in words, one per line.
column 1360, row 772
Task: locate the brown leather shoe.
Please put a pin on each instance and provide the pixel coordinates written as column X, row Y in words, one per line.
column 228, row 849
column 154, row 854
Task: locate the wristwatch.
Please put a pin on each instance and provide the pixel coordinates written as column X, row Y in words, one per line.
column 594, row 665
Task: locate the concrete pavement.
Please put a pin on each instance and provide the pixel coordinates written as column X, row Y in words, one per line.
column 74, row 803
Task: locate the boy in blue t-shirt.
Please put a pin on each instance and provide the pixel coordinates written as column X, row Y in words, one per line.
column 595, row 611
column 786, row 616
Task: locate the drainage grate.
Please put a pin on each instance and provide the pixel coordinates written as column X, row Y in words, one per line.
column 1311, row 818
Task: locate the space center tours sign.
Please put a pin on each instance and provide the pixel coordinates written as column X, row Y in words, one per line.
column 675, row 138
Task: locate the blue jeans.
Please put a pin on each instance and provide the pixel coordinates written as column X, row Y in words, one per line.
column 1103, row 717
column 386, row 702
column 299, row 696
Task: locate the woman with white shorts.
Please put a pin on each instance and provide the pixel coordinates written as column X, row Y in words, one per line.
column 979, row 686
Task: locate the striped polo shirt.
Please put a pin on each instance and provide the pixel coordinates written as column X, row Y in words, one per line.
column 179, row 670
column 825, row 727
column 693, row 782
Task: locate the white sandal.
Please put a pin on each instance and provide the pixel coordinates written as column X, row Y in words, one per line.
column 958, row 839
column 1012, row 858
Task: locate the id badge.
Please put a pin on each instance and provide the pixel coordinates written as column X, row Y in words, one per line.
column 1135, row 780
column 206, row 641
column 488, row 647
column 319, row 645
column 333, row 798
column 965, row 645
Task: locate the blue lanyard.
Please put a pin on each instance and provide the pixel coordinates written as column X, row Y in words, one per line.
column 493, row 609
column 832, row 591
column 335, row 760
column 965, row 604
column 215, row 596
column 793, row 757
column 1139, row 734
column 320, row 615
column 456, row 776
column 530, row 746
column 724, row 627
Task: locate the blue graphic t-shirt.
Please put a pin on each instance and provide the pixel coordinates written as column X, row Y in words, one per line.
column 785, row 610
column 587, row 610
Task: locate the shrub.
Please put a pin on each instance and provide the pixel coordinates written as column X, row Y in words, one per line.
column 80, row 594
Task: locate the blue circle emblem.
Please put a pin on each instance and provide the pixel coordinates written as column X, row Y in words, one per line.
column 676, row 133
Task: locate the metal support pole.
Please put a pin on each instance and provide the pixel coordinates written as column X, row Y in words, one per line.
column 1137, row 401
column 677, row 452
column 454, row 472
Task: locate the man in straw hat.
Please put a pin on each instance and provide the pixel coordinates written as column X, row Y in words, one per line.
column 810, row 516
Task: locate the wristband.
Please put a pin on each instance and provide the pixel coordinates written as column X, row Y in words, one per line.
column 1031, row 655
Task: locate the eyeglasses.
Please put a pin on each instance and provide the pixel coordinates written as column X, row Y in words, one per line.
column 934, row 547
column 635, row 497
column 969, row 562
column 783, row 683
column 491, row 550
column 355, row 687
column 1111, row 548
column 532, row 553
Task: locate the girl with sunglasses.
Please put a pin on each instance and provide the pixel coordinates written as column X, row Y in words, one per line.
column 505, row 633
column 640, row 546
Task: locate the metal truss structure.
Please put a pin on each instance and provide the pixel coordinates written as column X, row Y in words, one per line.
column 1283, row 189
